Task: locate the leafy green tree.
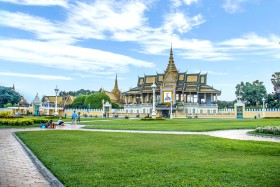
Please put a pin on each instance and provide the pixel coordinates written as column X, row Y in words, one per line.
column 95, row 100
column 225, row 104
column 275, row 80
column 115, row 106
column 251, row 93
column 8, row 105
column 8, row 95
column 272, row 101
column 79, row 102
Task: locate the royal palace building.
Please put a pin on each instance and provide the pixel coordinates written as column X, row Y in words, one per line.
column 189, row 93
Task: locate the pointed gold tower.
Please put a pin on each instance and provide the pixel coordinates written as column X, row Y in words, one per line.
column 116, row 91
column 171, row 67
column 171, row 72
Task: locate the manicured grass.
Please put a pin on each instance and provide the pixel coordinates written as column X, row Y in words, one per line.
column 180, row 124
column 263, row 134
column 80, row 158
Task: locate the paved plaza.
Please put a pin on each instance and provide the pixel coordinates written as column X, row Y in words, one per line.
column 17, row 169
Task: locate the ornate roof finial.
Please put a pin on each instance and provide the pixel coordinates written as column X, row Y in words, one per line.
column 116, row 83
column 13, row 88
column 171, row 65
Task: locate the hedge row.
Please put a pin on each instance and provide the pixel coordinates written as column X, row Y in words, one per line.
column 269, row 130
column 21, row 121
column 5, row 114
column 16, row 122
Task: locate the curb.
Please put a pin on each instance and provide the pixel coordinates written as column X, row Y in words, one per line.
column 263, row 136
column 46, row 173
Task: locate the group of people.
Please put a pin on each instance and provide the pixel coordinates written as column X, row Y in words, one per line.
column 52, row 125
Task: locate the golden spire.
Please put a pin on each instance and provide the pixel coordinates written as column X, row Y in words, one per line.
column 171, row 65
column 116, row 90
column 116, row 87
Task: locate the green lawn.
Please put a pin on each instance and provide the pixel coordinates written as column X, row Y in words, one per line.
column 80, row 158
column 180, row 124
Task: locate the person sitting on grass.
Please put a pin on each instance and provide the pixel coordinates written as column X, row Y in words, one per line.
column 50, row 124
column 60, row 122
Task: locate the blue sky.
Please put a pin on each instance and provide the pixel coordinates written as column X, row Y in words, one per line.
column 83, row 44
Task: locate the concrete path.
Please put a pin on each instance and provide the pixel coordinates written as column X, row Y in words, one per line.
column 17, row 169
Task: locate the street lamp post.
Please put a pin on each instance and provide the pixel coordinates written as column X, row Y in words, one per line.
column 48, row 101
column 56, row 92
column 103, row 108
column 154, row 91
column 171, row 109
column 263, row 100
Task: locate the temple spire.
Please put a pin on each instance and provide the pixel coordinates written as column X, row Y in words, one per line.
column 116, row 91
column 116, row 87
column 171, row 65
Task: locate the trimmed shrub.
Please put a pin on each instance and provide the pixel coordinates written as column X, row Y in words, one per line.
column 269, row 130
column 16, row 122
column 5, row 114
column 39, row 120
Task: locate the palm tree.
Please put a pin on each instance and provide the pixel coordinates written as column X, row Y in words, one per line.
column 276, row 83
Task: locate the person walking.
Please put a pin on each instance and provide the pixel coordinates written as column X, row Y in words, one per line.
column 74, row 117
column 79, row 118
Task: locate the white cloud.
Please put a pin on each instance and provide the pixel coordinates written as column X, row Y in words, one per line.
column 37, row 76
column 189, row 2
column 42, row 28
column 178, row 3
column 62, row 3
column 178, row 21
column 67, row 56
column 233, row 6
column 253, row 40
column 125, row 21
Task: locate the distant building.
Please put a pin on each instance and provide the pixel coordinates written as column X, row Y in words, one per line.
column 61, row 100
column 190, row 91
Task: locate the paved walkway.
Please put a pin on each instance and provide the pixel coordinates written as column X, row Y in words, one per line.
column 17, row 169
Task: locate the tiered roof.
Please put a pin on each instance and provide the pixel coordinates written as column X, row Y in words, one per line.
column 195, row 82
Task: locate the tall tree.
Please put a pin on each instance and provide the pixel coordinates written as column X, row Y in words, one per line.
column 95, row 100
column 79, row 102
column 251, row 93
column 8, row 95
column 275, row 80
